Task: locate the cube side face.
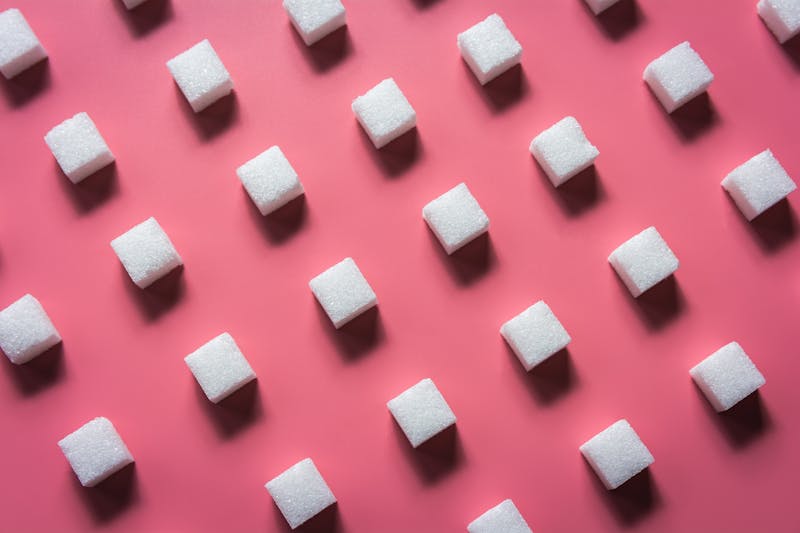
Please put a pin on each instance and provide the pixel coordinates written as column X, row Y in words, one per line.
column 78, row 147
column 270, row 180
column 315, row 19
column 300, row 493
column 758, row 184
column 489, row 48
column 421, row 412
column 455, row 218
column 616, row 454
column 95, row 451
column 201, row 75
column 782, row 17
column 146, row 253
column 643, row 261
column 504, row 517
column 19, row 46
column 727, row 376
column 535, row 335
column 384, row 112
column 220, row 367
column 598, row 6
column 343, row 292
column 563, row 150
column 678, row 76
column 26, row 331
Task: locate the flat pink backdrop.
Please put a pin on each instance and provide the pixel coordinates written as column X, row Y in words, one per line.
column 322, row 393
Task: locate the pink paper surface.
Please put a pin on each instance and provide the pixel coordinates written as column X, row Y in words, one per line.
column 322, row 393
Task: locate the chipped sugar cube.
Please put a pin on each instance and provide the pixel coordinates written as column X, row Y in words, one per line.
column 343, row 292
column 616, row 454
column 384, row 113
column 95, row 451
column 270, row 180
column 502, row 518
column 727, row 376
column 758, row 184
column 782, row 17
column 26, row 331
column 421, row 412
column 146, row 253
column 563, row 150
column 643, row 261
column 19, row 46
column 201, row 76
column 314, row 19
column 535, row 334
column 78, row 147
column 455, row 218
column 678, row 76
column 489, row 48
column 300, row 493
column 219, row 367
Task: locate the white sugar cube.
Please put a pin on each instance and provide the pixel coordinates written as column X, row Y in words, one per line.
column 78, row 147
column 146, row 252
column 535, row 334
column 563, row 150
column 455, row 218
column 782, row 17
column 598, row 6
column 727, row 376
column 758, row 184
column 300, row 493
column 19, row 46
column 26, row 331
column 616, row 454
column 643, row 261
column 314, row 19
column 678, row 76
column 201, row 76
column 502, row 518
column 421, row 412
column 219, row 366
column 384, row 113
column 270, row 180
column 130, row 4
column 95, row 451
column 489, row 48
column 343, row 292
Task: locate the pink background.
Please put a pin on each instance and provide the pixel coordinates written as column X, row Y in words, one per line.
column 322, row 393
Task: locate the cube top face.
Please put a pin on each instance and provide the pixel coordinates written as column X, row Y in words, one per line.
column 489, row 48
column 598, row 6
column 782, row 17
column 78, row 147
column 343, row 292
column 616, row 454
column 535, row 334
column 300, row 493
column 384, row 113
column 19, row 46
column 758, row 184
column 220, row 367
column 270, row 180
column 455, row 218
column 678, row 76
column 421, row 412
column 95, row 451
column 201, row 76
column 314, row 19
column 502, row 518
column 563, row 150
column 727, row 376
column 146, row 252
column 26, row 331
column 643, row 261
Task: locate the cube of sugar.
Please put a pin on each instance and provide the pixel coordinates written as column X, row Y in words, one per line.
column 678, row 76
column 535, row 334
column 26, row 331
column 270, row 180
column 19, row 46
column 489, row 48
column 502, row 518
column 146, row 252
column 201, row 76
column 343, row 292
column 598, row 6
column 384, row 113
column 563, row 150
column 758, row 184
column 130, row 4
column 300, row 493
column 220, row 367
column 616, row 454
column 78, row 147
column 421, row 412
column 314, row 19
column 727, row 376
column 782, row 17
column 95, row 451
column 643, row 261
column 455, row 218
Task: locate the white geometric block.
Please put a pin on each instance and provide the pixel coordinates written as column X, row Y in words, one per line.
column 219, row 367
column 727, row 376
column 758, row 184
column 270, row 180
column 95, row 451
column 616, row 454
column 343, row 292
column 455, row 218
column 146, row 252
column 489, row 48
column 563, row 150
column 421, row 412
column 19, row 46
column 78, row 147
column 643, row 261
column 201, row 76
column 678, row 76
column 26, row 331
column 314, row 19
column 502, row 518
column 300, row 493
column 598, row 6
column 384, row 113
column 782, row 17
column 535, row 334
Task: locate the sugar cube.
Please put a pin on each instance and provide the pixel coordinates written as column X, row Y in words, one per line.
column 535, row 334
column 563, row 150
column 727, row 376
column 19, row 46
column 219, row 366
column 758, row 184
column 678, row 76
column 26, row 331
column 455, row 218
column 270, row 180
column 314, row 19
column 201, row 76
column 95, row 451
column 598, row 6
column 130, row 4
column 384, row 113
column 300, row 493
column 616, row 454
column 643, row 261
column 489, row 48
column 78, row 147
column 343, row 292
column 421, row 412
column 502, row 518
column 146, row 252
column 782, row 17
